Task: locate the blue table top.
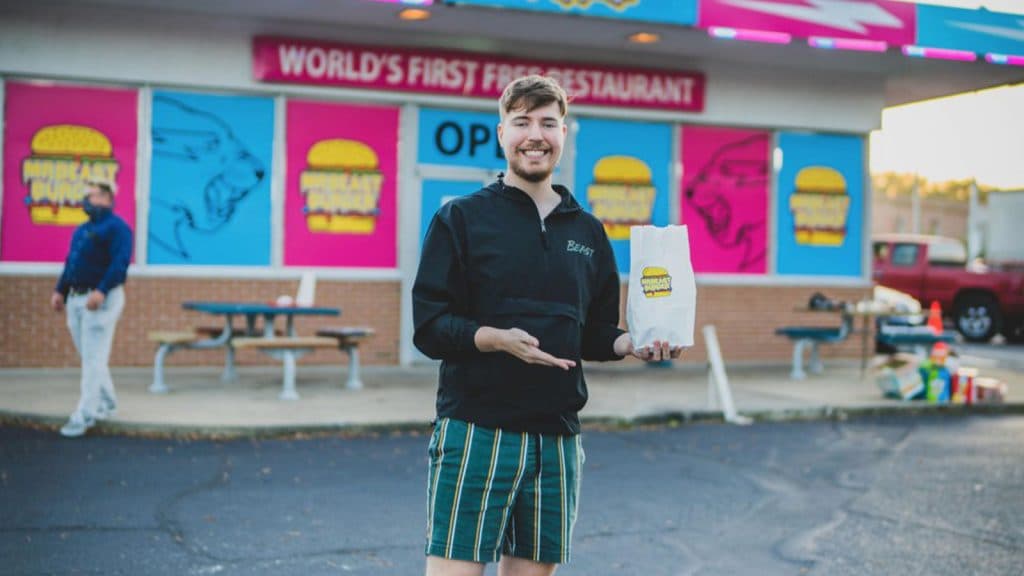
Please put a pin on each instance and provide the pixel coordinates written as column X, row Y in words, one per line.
column 259, row 308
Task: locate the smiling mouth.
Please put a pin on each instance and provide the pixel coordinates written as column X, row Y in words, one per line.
column 534, row 153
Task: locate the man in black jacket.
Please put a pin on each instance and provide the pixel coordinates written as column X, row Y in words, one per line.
column 516, row 285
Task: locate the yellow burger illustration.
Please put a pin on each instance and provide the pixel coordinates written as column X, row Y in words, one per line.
column 655, row 281
column 341, row 187
column 820, row 206
column 584, row 4
column 64, row 157
column 622, row 194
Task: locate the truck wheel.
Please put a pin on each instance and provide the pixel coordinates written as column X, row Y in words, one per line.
column 978, row 318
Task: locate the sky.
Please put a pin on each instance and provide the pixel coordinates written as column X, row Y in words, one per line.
column 977, row 135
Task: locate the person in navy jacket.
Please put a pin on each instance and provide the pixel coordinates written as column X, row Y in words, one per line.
column 516, row 285
column 91, row 290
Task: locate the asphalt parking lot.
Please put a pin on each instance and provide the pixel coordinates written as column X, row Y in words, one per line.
column 898, row 495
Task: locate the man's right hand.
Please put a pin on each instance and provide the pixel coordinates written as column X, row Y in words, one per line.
column 519, row 344
column 57, row 302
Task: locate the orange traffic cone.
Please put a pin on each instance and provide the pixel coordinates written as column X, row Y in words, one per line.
column 935, row 318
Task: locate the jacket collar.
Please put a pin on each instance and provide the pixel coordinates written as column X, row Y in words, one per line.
column 106, row 214
column 568, row 203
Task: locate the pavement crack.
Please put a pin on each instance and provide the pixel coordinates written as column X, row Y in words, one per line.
column 173, row 528
column 973, row 535
column 799, row 548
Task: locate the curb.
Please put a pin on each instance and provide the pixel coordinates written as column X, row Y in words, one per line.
column 825, row 413
column 187, row 432
column 669, row 419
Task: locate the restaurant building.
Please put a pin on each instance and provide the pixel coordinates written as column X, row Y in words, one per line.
column 251, row 142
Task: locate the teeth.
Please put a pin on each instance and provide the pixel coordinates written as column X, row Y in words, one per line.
column 534, row 153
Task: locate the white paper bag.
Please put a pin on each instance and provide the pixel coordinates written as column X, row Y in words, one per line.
column 662, row 299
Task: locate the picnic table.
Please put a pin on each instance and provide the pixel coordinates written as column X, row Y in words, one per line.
column 865, row 310
column 813, row 336
column 252, row 311
column 264, row 338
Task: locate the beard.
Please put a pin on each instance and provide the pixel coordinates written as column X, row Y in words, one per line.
column 534, row 175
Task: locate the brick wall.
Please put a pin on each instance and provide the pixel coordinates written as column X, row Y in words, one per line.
column 745, row 319
column 32, row 335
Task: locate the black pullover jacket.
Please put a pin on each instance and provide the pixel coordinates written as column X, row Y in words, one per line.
column 489, row 260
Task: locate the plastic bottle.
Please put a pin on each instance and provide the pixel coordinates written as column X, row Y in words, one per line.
column 938, row 382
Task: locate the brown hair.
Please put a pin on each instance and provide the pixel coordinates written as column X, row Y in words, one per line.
column 532, row 92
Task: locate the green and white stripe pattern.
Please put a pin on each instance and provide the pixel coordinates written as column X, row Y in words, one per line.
column 492, row 492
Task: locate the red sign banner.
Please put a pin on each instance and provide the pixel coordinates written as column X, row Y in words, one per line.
column 463, row 74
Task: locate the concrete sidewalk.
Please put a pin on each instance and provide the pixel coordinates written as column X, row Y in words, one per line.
column 199, row 404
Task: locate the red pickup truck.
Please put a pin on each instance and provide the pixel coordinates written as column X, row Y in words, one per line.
column 982, row 299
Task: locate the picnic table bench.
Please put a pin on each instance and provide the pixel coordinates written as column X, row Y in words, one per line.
column 226, row 337
column 919, row 338
column 813, row 336
column 347, row 338
column 287, row 349
column 194, row 339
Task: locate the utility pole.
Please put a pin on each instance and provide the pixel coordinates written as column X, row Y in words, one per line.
column 974, row 220
column 915, row 206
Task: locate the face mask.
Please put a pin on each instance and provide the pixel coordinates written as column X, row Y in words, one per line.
column 92, row 211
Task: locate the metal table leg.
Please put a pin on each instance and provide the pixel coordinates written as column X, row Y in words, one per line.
column 229, row 374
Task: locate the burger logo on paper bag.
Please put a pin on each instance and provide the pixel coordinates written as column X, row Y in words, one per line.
column 64, row 157
column 655, row 281
column 341, row 187
column 820, row 206
column 622, row 194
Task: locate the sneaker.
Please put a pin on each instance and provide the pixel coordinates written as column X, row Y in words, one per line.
column 106, row 410
column 75, row 427
column 108, row 407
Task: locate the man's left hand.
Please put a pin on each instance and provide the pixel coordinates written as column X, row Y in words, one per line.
column 95, row 300
column 659, row 352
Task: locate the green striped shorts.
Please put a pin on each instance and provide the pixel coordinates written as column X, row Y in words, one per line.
column 493, row 492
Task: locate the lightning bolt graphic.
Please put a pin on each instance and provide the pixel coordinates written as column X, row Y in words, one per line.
column 1011, row 33
column 840, row 14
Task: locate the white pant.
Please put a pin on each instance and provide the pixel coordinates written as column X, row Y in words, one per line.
column 93, row 333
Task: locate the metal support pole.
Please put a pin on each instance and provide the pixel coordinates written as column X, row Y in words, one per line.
column 288, row 387
column 158, row 386
column 721, row 381
column 354, row 383
column 798, row 360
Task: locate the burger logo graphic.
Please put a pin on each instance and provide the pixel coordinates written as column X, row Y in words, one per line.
column 341, row 187
column 616, row 4
column 64, row 157
column 656, row 282
column 820, row 206
column 622, row 194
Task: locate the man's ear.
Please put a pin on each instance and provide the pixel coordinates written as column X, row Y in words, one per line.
column 499, row 131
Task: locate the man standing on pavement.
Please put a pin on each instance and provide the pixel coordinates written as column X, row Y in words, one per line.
column 91, row 288
column 516, row 285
